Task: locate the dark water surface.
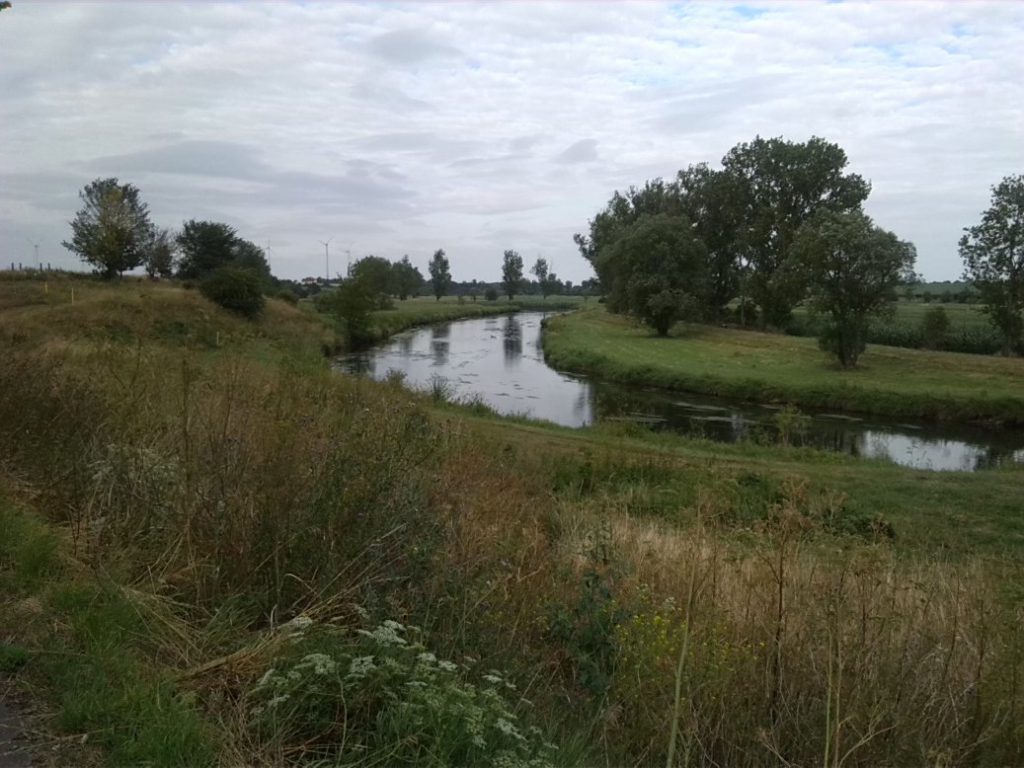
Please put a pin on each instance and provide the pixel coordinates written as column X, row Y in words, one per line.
column 499, row 360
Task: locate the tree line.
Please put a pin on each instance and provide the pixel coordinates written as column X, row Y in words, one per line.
column 778, row 224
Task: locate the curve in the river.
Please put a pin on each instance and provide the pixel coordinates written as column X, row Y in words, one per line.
column 499, row 360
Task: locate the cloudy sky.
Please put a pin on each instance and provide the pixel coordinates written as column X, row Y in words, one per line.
column 478, row 127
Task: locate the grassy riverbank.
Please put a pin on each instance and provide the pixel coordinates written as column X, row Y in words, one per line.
column 774, row 368
column 215, row 551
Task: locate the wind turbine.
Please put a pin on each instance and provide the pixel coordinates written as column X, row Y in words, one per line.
column 327, row 258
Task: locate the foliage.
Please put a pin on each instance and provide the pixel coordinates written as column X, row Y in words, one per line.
column 656, row 271
column 993, row 255
column 383, row 696
column 351, row 303
column 511, row 273
column 205, row 246
column 408, row 281
column 852, row 269
column 491, row 294
column 546, row 280
column 160, row 254
column 440, row 273
column 376, row 277
column 783, row 185
column 111, row 231
column 935, row 328
column 235, row 289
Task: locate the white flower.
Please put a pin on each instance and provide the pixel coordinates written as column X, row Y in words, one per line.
column 322, row 663
column 447, row 666
column 492, row 679
column 427, row 658
column 360, row 666
column 280, row 699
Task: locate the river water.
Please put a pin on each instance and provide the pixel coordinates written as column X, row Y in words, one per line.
column 499, row 361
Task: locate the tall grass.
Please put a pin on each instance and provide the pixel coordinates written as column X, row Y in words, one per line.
column 238, row 518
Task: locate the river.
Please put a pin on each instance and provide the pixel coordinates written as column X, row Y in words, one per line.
column 499, row 360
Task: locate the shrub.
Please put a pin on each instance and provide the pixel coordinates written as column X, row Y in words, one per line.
column 934, row 328
column 235, row 289
column 491, row 294
column 288, row 297
column 384, row 697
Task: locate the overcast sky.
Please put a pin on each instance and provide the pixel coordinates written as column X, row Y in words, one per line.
column 478, row 127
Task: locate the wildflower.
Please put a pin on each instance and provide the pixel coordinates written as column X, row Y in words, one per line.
column 426, row 658
column 447, row 666
column 360, row 666
column 279, row 699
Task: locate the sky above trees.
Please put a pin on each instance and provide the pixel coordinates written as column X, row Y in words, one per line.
column 478, row 128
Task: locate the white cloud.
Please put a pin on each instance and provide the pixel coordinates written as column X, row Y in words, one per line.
column 479, row 127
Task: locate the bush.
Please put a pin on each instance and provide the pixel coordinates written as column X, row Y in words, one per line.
column 288, row 297
column 235, row 289
column 491, row 294
column 934, row 328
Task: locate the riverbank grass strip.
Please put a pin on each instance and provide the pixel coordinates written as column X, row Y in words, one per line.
column 761, row 367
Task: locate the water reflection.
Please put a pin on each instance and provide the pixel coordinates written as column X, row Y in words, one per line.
column 512, row 337
column 500, row 361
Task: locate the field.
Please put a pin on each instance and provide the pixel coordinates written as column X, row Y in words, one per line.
column 969, row 328
column 215, row 551
column 774, row 368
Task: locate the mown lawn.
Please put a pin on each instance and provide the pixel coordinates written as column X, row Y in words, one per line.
column 776, row 368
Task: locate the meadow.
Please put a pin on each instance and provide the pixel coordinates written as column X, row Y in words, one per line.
column 766, row 367
column 216, row 551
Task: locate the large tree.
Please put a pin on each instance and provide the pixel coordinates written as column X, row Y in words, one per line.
column 993, row 254
column 621, row 212
column 204, row 246
column 780, row 185
column 112, row 230
column 657, row 271
column 852, row 269
column 511, row 273
column 714, row 202
column 440, row 273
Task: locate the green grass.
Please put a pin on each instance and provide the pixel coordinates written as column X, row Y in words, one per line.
column 774, row 368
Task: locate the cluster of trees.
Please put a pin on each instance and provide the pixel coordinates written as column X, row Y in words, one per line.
column 993, row 255
column 113, row 232
column 778, row 223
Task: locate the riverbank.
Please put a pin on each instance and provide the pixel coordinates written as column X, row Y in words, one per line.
column 210, row 540
column 760, row 367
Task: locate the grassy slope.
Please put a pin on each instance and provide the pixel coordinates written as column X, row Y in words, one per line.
column 775, row 368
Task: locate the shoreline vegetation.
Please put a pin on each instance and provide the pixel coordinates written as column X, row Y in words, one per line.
column 763, row 367
column 216, row 551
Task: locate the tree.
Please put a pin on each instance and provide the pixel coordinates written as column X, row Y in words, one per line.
column 408, row 280
column 375, row 275
column 853, row 269
column 160, row 254
column 622, row 211
column 657, row 271
column 779, row 186
column 993, row 255
column 204, row 246
column 511, row 273
column 248, row 255
column 713, row 201
column 112, row 231
column 545, row 279
column 440, row 273
column 350, row 303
